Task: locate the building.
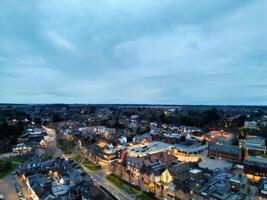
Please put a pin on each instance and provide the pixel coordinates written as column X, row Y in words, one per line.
column 255, row 167
column 114, row 153
column 21, row 148
column 189, row 149
column 263, row 188
column 2, row 197
column 253, row 144
column 225, row 152
column 179, row 172
column 154, row 165
column 56, row 178
column 134, row 165
column 38, row 186
column 263, row 123
column 220, row 137
column 123, row 140
column 149, row 165
column 223, row 186
column 145, row 138
column 142, row 150
column 182, row 189
column 251, row 125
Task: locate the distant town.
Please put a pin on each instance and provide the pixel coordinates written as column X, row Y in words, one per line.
column 143, row 152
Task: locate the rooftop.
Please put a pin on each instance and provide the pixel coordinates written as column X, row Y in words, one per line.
column 141, row 150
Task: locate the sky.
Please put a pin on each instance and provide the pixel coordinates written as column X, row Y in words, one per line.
column 133, row 51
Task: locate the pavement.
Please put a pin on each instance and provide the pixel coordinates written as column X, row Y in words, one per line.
column 52, row 146
column 206, row 162
column 213, row 163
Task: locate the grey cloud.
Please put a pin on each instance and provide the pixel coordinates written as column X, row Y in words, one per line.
column 133, row 51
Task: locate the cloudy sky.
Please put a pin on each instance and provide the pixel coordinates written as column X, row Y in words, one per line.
column 130, row 51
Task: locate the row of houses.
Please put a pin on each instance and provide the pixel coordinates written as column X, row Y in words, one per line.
column 57, row 178
column 255, row 124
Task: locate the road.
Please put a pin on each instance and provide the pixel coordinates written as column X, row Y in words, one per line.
column 52, row 144
column 100, row 178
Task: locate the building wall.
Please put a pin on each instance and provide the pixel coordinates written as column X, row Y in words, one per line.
column 255, row 170
column 234, row 157
column 166, row 177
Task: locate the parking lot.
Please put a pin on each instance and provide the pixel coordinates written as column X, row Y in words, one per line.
column 206, row 162
column 7, row 187
column 12, row 189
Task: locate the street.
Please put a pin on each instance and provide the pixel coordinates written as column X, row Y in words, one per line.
column 100, row 178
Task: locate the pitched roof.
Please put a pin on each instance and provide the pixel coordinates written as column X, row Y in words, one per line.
column 178, row 169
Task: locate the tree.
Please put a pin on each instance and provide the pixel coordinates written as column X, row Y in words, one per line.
column 235, row 141
column 56, row 117
column 182, row 139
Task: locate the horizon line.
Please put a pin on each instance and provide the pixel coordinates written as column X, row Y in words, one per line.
column 136, row 104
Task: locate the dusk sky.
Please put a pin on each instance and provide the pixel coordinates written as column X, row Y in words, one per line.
column 130, row 51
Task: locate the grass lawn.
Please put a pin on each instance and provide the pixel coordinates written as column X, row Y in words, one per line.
column 145, row 196
column 65, row 149
column 46, row 155
column 86, row 163
column 9, row 164
column 65, row 146
column 129, row 188
column 123, row 184
column 76, row 158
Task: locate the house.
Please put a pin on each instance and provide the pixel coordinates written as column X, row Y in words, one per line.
column 145, row 138
column 154, row 165
column 182, row 189
column 151, row 173
column 38, row 186
column 251, row 125
column 56, row 178
column 179, row 172
column 134, row 164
